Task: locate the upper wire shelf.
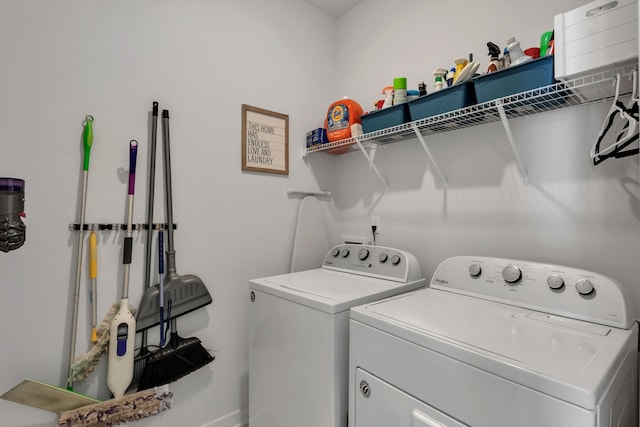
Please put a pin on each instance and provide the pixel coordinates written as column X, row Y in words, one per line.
column 584, row 90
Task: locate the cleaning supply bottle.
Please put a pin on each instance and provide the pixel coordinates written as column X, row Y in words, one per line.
column 450, row 75
column 494, row 53
column 439, row 74
column 516, row 54
column 399, row 90
column 422, row 89
column 506, row 58
column 340, row 116
column 388, row 96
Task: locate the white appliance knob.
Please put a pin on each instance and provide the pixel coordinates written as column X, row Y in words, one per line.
column 363, row 254
column 584, row 287
column 335, row 252
column 511, row 274
column 345, row 253
column 474, row 270
column 395, row 260
column 383, row 258
column 555, row 282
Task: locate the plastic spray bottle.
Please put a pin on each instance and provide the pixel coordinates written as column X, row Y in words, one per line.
column 494, row 53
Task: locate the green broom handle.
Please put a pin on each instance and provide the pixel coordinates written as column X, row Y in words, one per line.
column 87, row 139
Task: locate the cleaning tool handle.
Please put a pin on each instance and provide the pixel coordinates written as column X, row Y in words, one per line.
column 93, row 255
column 87, row 140
column 93, row 293
column 163, row 334
column 133, row 155
column 171, row 265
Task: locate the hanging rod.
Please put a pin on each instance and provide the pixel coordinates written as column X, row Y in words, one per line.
column 116, row 227
column 291, row 192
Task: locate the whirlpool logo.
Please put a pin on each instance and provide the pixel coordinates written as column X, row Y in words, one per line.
column 441, row 281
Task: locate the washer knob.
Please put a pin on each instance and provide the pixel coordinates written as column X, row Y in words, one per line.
column 383, row 258
column 584, row 287
column 475, row 270
column 335, row 252
column 555, row 282
column 363, row 254
column 511, row 274
column 395, row 260
column 345, row 253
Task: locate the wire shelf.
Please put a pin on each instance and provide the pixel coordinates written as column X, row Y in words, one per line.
column 580, row 91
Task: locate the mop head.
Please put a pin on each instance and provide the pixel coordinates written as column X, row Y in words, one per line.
column 113, row 412
column 84, row 364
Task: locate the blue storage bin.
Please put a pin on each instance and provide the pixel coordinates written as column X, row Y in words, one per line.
column 385, row 118
column 452, row 98
column 518, row 78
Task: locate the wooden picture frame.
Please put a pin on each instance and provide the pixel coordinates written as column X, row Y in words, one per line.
column 265, row 141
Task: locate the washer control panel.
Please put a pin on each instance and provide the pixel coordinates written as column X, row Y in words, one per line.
column 555, row 289
column 374, row 261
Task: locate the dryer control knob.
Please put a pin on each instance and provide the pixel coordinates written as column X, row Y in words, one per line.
column 555, row 282
column 584, row 287
column 383, row 258
column 335, row 252
column 395, row 260
column 363, row 254
column 511, row 274
column 475, row 270
column 345, row 253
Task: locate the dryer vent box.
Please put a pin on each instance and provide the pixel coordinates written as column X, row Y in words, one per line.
column 597, row 36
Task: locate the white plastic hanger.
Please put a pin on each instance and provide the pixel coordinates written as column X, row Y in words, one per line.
column 617, row 113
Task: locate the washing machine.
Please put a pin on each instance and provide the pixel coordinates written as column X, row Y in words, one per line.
column 495, row 342
column 299, row 333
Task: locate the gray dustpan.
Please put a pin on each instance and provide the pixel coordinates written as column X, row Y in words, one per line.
column 186, row 292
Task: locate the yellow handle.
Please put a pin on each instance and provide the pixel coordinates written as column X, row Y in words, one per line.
column 93, row 255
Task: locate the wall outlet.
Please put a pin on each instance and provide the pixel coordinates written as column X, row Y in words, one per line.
column 375, row 220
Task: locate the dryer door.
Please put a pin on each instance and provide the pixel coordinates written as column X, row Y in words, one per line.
column 379, row 404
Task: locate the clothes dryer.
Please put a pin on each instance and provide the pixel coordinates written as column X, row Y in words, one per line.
column 497, row 343
column 299, row 333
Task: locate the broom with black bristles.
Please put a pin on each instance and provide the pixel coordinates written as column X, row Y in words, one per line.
column 181, row 356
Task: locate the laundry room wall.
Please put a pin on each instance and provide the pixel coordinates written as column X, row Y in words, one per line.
column 200, row 60
column 570, row 213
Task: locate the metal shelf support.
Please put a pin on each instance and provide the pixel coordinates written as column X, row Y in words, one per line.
column 371, row 164
column 507, row 129
column 433, row 162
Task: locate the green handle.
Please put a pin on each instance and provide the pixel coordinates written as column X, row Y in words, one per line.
column 87, row 138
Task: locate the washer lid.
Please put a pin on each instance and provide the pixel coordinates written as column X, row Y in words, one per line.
column 566, row 358
column 331, row 291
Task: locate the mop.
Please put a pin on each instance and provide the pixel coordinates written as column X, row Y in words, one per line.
column 122, row 334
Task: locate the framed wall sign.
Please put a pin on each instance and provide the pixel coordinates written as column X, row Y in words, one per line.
column 265, row 140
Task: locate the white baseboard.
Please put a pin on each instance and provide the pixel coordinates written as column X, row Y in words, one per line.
column 239, row 418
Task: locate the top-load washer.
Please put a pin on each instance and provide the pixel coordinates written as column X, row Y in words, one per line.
column 497, row 343
column 299, row 333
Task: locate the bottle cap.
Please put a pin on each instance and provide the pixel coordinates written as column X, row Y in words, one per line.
column 400, row 83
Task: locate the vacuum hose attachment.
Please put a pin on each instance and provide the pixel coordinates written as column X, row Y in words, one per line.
column 12, row 229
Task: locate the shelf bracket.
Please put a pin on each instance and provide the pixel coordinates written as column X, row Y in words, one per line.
column 433, row 162
column 507, row 129
column 371, row 164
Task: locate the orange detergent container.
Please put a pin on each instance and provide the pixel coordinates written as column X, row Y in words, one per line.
column 340, row 116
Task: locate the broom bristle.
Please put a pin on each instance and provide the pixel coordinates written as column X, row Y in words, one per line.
column 182, row 357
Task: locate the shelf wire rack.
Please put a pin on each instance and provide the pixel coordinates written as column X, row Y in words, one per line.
column 579, row 91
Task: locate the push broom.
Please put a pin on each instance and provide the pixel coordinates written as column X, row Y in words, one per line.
column 181, row 356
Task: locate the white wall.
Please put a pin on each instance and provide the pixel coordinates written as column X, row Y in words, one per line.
column 201, row 60
column 571, row 212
